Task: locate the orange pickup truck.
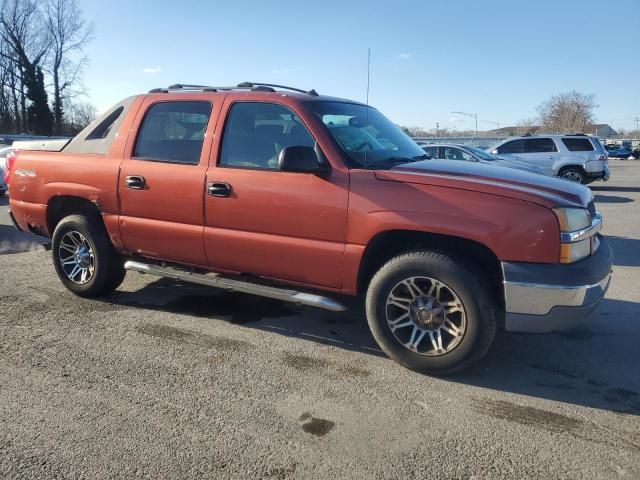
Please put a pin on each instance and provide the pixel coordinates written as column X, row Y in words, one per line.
column 281, row 192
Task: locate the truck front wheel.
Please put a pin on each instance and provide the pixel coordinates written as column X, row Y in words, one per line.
column 430, row 312
column 84, row 258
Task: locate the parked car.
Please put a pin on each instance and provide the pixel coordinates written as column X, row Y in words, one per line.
column 579, row 158
column 617, row 151
column 291, row 195
column 635, row 154
column 3, row 158
column 472, row 154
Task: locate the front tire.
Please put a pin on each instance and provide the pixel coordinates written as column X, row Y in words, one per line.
column 84, row 258
column 431, row 313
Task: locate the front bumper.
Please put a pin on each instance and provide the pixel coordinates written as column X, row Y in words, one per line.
column 549, row 297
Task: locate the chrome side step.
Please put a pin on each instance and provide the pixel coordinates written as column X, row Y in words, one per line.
column 229, row 284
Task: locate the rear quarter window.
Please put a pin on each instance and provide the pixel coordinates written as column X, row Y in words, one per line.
column 578, row 144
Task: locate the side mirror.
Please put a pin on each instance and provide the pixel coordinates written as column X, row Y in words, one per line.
column 300, row 159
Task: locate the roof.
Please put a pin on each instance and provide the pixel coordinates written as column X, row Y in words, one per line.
column 264, row 89
column 591, row 128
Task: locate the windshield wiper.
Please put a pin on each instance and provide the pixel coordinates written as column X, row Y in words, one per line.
column 398, row 160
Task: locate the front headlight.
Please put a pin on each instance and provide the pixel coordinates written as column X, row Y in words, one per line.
column 573, row 220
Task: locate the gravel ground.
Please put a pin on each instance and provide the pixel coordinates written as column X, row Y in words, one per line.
column 162, row 380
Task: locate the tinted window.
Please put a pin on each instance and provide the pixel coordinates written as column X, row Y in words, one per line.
column 173, row 132
column 515, row 146
column 255, row 133
column 539, row 145
column 431, row 151
column 578, row 144
column 102, row 130
column 453, row 153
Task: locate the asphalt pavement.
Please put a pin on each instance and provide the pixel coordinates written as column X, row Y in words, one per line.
column 169, row 380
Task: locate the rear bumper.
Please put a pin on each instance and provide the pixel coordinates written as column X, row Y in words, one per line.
column 600, row 174
column 549, row 297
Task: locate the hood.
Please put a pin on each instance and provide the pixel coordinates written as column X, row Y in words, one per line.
column 508, row 182
column 503, row 162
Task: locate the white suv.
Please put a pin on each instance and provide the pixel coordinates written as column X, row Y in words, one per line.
column 579, row 158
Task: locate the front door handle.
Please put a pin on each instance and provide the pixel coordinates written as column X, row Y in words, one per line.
column 136, row 182
column 218, row 189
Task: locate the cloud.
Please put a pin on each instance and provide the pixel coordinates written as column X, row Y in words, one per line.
column 278, row 71
column 152, row 69
column 404, row 56
column 456, row 120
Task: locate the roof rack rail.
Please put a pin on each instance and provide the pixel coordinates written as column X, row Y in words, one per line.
column 253, row 86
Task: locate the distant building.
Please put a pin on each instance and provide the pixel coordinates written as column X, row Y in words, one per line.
column 596, row 129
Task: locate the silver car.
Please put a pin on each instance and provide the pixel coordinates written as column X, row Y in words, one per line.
column 3, row 158
column 579, row 158
column 473, row 154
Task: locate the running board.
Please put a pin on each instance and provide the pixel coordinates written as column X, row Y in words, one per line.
column 229, row 284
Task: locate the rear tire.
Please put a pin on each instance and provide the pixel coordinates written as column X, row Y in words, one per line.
column 431, row 313
column 84, row 258
column 573, row 174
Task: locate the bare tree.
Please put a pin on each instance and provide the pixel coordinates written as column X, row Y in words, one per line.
column 24, row 47
column 568, row 112
column 78, row 115
column 527, row 126
column 68, row 34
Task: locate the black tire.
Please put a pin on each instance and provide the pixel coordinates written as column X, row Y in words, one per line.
column 108, row 269
column 573, row 174
column 479, row 306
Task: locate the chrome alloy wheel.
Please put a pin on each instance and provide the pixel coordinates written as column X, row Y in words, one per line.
column 426, row 316
column 572, row 176
column 76, row 257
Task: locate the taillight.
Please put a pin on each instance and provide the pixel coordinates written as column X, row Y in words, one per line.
column 603, row 158
column 11, row 159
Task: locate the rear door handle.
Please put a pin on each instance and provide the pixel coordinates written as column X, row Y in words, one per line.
column 218, row 189
column 136, row 182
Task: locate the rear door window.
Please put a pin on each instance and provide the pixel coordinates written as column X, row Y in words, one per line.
column 453, row 153
column 539, row 145
column 515, row 146
column 578, row 144
column 173, row 132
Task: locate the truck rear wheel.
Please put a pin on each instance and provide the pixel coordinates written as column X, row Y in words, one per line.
column 573, row 174
column 430, row 313
column 84, row 258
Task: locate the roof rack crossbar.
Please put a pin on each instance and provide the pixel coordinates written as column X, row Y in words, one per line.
column 254, row 86
column 275, row 85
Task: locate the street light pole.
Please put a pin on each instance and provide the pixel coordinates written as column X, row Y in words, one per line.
column 472, row 115
column 437, row 128
column 635, row 135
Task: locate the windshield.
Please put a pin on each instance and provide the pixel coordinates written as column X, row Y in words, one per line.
column 367, row 137
column 481, row 154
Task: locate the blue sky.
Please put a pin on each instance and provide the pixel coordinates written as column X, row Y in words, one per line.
column 497, row 58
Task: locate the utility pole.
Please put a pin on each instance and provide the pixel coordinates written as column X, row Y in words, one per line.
column 438, row 128
column 635, row 135
column 472, row 115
